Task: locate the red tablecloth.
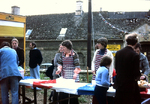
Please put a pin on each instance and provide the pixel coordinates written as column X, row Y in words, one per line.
column 39, row 83
column 143, row 93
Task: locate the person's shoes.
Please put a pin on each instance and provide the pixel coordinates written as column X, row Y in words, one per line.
column 50, row 101
column 37, row 88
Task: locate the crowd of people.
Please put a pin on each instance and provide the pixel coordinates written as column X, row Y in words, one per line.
column 11, row 58
column 128, row 66
column 9, row 73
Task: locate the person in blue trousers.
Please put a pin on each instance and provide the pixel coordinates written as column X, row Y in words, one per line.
column 35, row 59
column 9, row 73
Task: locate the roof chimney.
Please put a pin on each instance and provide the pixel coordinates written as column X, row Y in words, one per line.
column 100, row 9
column 79, row 7
column 15, row 10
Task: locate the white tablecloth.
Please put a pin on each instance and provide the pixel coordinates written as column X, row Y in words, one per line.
column 67, row 87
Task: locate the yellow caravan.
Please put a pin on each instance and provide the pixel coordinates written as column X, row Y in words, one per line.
column 13, row 26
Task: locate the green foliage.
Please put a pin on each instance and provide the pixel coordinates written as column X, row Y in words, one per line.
column 27, row 67
column 85, row 99
column 90, row 78
column 82, row 99
column 43, row 76
column 29, row 90
column 83, row 78
column 27, row 73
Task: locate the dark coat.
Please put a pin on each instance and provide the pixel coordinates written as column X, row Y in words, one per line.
column 127, row 69
column 35, row 57
column 20, row 53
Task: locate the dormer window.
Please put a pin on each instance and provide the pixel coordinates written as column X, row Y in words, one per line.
column 28, row 33
column 62, row 34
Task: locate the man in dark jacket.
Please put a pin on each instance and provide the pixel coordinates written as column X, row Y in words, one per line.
column 35, row 59
column 128, row 73
column 20, row 51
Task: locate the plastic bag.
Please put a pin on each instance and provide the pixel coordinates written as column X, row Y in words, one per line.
column 21, row 70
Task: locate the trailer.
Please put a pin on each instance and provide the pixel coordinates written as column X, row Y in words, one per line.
column 13, row 26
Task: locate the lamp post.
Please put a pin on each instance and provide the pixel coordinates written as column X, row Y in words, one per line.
column 89, row 38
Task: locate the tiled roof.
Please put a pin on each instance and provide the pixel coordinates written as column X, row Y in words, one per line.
column 48, row 27
column 127, row 15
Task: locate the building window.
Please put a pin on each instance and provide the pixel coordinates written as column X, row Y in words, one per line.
column 28, row 33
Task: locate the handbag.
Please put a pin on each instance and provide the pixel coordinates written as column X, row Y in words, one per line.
column 49, row 71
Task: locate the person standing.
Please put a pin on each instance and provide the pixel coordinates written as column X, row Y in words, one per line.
column 55, row 76
column 35, row 59
column 128, row 73
column 69, row 67
column 99, row 53
column 9, row 73
column 20, row 51
column 102, row 80
column 56, row 58
column 144, row 64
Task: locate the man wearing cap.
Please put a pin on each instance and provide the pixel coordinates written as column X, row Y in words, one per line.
column 99, row 53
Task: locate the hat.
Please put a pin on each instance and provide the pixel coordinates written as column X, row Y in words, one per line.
column 103, row 41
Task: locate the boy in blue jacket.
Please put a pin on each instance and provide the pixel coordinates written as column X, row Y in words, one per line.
column 102, row 80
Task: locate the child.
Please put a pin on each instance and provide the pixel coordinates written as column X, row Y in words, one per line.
column 102, row 80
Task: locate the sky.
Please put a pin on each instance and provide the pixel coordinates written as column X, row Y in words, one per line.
column 38, row 7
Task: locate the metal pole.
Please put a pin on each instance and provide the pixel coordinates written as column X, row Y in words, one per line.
column 89, row 37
